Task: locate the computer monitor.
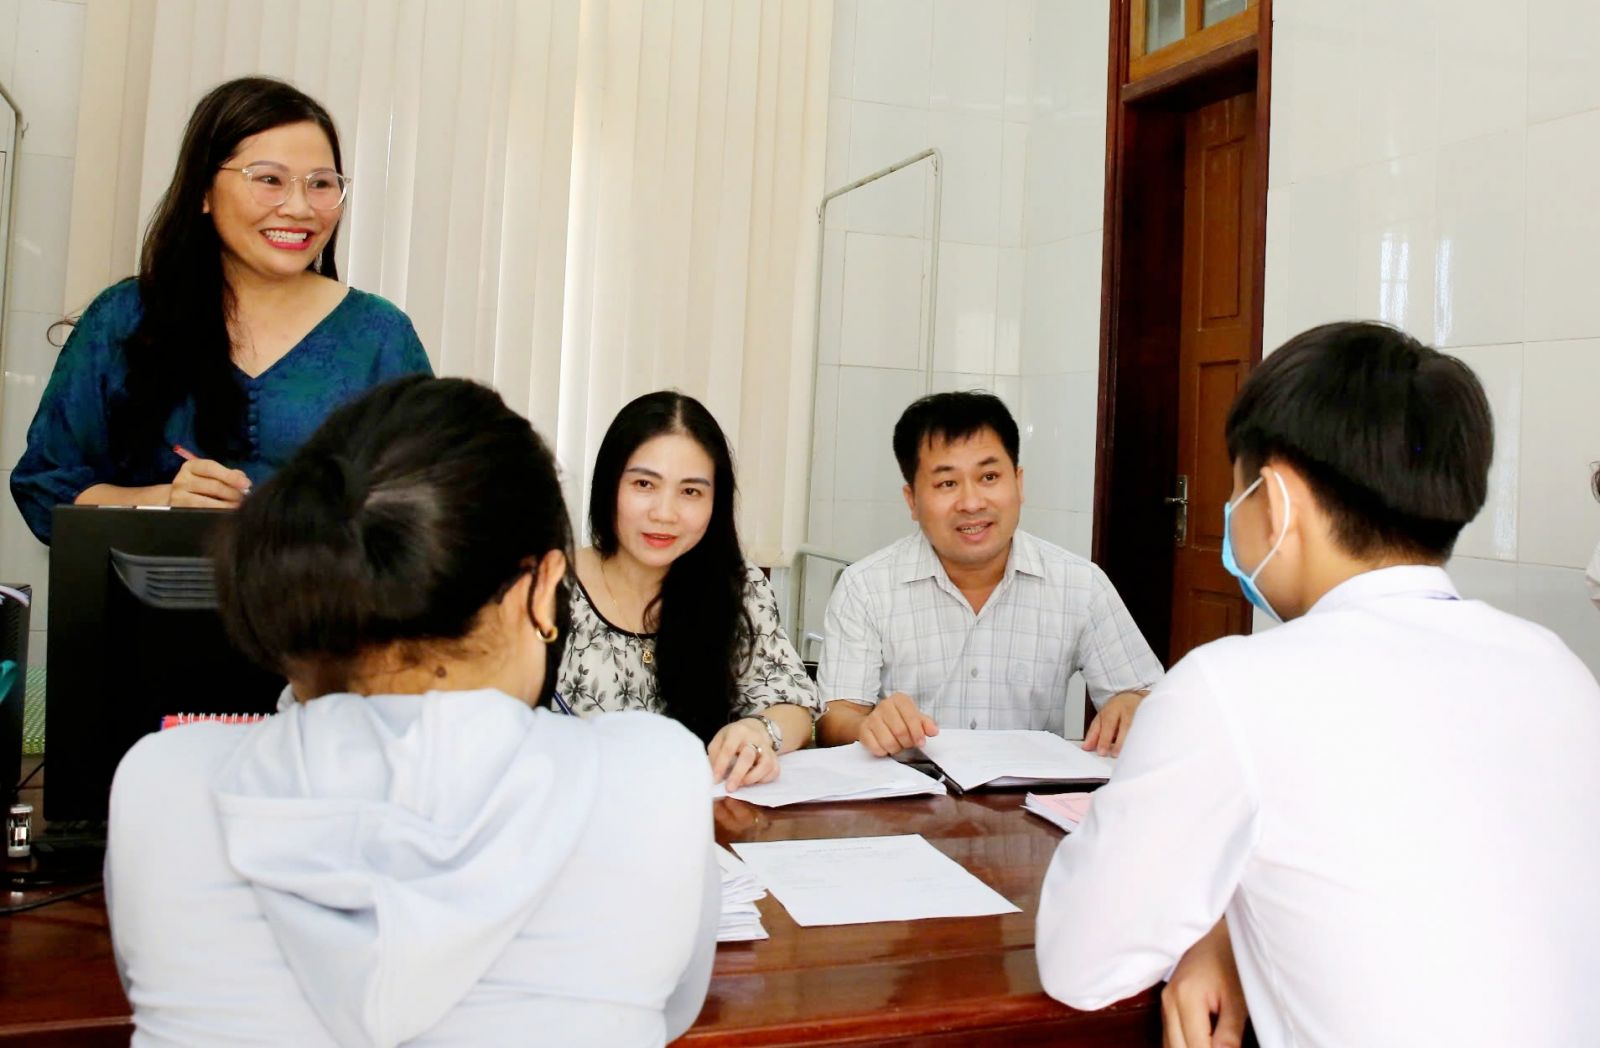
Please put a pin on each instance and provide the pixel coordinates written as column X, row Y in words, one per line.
column 134, row 635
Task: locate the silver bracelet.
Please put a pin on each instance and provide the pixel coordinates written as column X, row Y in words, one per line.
column 774, row 732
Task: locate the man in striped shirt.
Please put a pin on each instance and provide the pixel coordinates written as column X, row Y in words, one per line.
column 970, row 622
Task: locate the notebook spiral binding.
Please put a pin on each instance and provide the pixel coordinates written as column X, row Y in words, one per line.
column 173, row 720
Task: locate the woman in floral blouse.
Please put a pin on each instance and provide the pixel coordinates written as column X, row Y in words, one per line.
column 667, row 615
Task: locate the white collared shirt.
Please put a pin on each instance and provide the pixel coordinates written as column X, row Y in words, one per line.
column 1395, row 799
column 896, row 622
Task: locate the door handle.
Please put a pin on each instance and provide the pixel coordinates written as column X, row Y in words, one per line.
column 1180, row 527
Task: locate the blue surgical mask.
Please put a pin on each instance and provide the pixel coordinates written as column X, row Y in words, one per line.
column 1247, row 583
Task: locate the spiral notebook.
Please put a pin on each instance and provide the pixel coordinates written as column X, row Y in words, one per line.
column 173, row 720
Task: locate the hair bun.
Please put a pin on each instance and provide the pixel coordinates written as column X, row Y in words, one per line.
column 354, row 482
column 398, row 520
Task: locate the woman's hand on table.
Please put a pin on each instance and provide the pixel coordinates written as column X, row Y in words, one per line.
column 741, row 755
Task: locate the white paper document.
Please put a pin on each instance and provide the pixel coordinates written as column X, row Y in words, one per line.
column 862, row 880
column 740, row 920
column 1013, row 758
column 836, row 773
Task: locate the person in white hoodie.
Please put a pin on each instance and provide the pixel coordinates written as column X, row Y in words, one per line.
column 409, row 852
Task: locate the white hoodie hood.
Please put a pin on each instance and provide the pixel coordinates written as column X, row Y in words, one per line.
column 398, row 843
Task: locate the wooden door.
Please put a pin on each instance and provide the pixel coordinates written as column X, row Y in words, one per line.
column 1214, row 354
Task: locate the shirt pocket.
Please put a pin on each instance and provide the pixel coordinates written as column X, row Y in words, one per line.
column 1035, row 655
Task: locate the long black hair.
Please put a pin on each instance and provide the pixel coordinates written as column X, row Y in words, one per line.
column 181, row 347
column 703, row 630
column 408, row 511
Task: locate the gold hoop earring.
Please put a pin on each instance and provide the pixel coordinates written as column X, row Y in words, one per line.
column 550, row 637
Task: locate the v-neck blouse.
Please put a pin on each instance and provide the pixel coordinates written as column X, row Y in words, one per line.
column 363, row 342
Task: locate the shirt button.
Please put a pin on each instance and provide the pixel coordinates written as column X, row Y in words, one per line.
column 974, row 724
column 974, row 671
column 253, row 429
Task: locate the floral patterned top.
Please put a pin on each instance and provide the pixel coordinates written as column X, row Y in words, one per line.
column 605, row 668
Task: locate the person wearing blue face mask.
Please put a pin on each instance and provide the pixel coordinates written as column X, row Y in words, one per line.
column 1327, row 821
column 1247, row 582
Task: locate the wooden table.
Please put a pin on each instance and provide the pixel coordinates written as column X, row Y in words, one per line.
column 955, row 981
column 58, row 983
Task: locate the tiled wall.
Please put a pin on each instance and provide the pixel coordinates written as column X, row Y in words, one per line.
column 41, row 45
column 1013, row 93
column 907, row 75
column 1435, row 165
column 1063, row 225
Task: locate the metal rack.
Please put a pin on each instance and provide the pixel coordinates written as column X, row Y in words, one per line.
column 805, row 551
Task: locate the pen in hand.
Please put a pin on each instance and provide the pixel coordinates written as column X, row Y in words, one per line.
column 189, row 456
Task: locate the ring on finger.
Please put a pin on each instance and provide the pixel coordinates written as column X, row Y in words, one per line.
column 757, row 748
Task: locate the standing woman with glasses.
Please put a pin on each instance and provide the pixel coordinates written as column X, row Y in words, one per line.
column 187, row 384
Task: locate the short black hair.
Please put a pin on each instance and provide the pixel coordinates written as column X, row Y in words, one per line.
column 1394, row 438
column 951, row 417
column 407, row 512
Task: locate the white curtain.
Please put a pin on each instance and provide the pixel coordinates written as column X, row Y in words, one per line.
column 576, row 200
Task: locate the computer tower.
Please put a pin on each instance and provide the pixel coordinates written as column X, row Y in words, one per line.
column 13, row 648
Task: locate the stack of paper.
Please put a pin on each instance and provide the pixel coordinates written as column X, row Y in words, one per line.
column 1012, row 758
column 859, row 880
column 740, row 921
column 838, row 773
column 1066, row 810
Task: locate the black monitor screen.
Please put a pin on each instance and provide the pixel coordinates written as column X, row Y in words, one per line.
column 134, row 636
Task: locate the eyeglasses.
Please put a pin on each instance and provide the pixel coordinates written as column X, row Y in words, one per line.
column 270, row 185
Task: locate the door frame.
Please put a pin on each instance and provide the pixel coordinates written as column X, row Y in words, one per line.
column 1140, row 294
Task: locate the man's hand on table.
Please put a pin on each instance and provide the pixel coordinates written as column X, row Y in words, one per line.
column 895, row 724
column 1109, row 729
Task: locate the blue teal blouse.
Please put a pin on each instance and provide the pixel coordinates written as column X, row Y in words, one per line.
column 365, row 341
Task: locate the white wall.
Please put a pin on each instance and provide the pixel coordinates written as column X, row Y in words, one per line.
column 1063, row 226
column 1435, row 165
column 907, row 75
column 1013, row 94
column 41, row 44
